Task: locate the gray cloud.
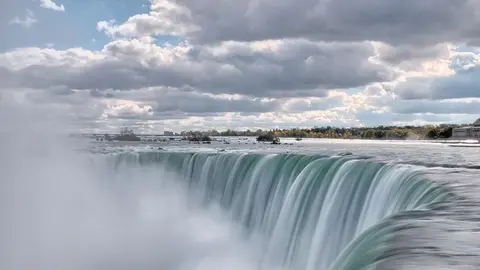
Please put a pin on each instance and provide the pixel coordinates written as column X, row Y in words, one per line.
column 314, row 105
column 136, row 81
column 194, row 103
column 409, row 57
column 7, row 78
column 99, row 94
column 58, row 95
column 170, row 103
column 435, row 107
column 464, row 84
column 296, row 64
column 415, row 88
column 295, row 68
column 62, row 103
column 391, row 21
column 370, row 118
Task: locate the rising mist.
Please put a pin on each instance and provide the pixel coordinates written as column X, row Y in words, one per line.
column 61, row 210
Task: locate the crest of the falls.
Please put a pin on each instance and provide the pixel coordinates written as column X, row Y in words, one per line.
column 316, row 212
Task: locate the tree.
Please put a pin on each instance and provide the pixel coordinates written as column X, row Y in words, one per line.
column 446, row 132
column 268, row 137
column 127, row 134
column 432, row 133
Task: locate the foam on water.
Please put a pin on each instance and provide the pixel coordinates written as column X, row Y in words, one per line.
column 316, row 212
column 64, row 210
column 60, row 211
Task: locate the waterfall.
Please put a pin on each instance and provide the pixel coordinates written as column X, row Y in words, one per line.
column 316, row 212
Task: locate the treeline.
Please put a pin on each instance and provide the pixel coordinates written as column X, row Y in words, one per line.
column 380, row 132
column 126, row 134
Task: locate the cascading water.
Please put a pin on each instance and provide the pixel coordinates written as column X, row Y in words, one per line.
column 316, row 212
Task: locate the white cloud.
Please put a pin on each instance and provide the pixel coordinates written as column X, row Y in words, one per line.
column 463, row 81
column 388, row 21
column 164, row 18
column 22, row 58
column 217, row 86
column 27, row 21
column 293, row 68
column 261, row 64
column 126, row 110
column 49, row 4
column 418, row 60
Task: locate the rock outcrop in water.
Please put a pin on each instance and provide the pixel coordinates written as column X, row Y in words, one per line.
column 200, row 139
column 126, row 134
column 269, row 137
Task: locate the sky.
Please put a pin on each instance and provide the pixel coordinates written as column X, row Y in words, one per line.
column 182, row 64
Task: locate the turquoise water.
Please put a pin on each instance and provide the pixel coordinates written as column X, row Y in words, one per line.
column 316, row 212
column 314, row 204
column 442, row 238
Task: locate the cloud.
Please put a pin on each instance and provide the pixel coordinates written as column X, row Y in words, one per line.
column 127, row 110
column 260, row 63
column 164, row 18
column 372, row 118
column 395, row 22
column 429, row 60
column 58, row 95
column 26, row 22
column 465, row 61
column 463, row 84
column 170, row 101
column 458, row 77
column 76, row 109
column 99, row 94
column 21, row 58
column 437, row 107
column 49, row 4
column 188, row 102
column 287, row 68
column 398, row 54
column 415, row 88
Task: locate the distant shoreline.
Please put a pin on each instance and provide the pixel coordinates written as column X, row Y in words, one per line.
column 428, row 132
column 178, row 137
column 382, row 133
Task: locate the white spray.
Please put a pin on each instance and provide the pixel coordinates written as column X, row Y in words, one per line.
column 59, row 213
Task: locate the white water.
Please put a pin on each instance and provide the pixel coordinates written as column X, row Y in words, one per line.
column 58, row 216
column 314, row 211
column 61, row 213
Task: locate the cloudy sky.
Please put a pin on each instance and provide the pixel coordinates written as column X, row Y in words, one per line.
column 188, row 64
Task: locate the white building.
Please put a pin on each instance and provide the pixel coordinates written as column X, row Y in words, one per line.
column 468, row 132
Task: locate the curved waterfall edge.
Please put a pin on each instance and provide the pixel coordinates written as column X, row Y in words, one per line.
column 281, row 194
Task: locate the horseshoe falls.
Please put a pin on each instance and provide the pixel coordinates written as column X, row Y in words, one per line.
column 313, row 205
column 314, row 212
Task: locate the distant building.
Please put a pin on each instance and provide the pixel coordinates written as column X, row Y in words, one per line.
column 467, row 132
column 168, row 133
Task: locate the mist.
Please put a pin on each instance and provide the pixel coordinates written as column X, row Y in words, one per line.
column 63, row 210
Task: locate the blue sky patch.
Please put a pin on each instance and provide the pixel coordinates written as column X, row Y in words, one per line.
column 76, row 27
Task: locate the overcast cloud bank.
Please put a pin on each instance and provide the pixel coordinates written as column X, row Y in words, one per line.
column 260, row 64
